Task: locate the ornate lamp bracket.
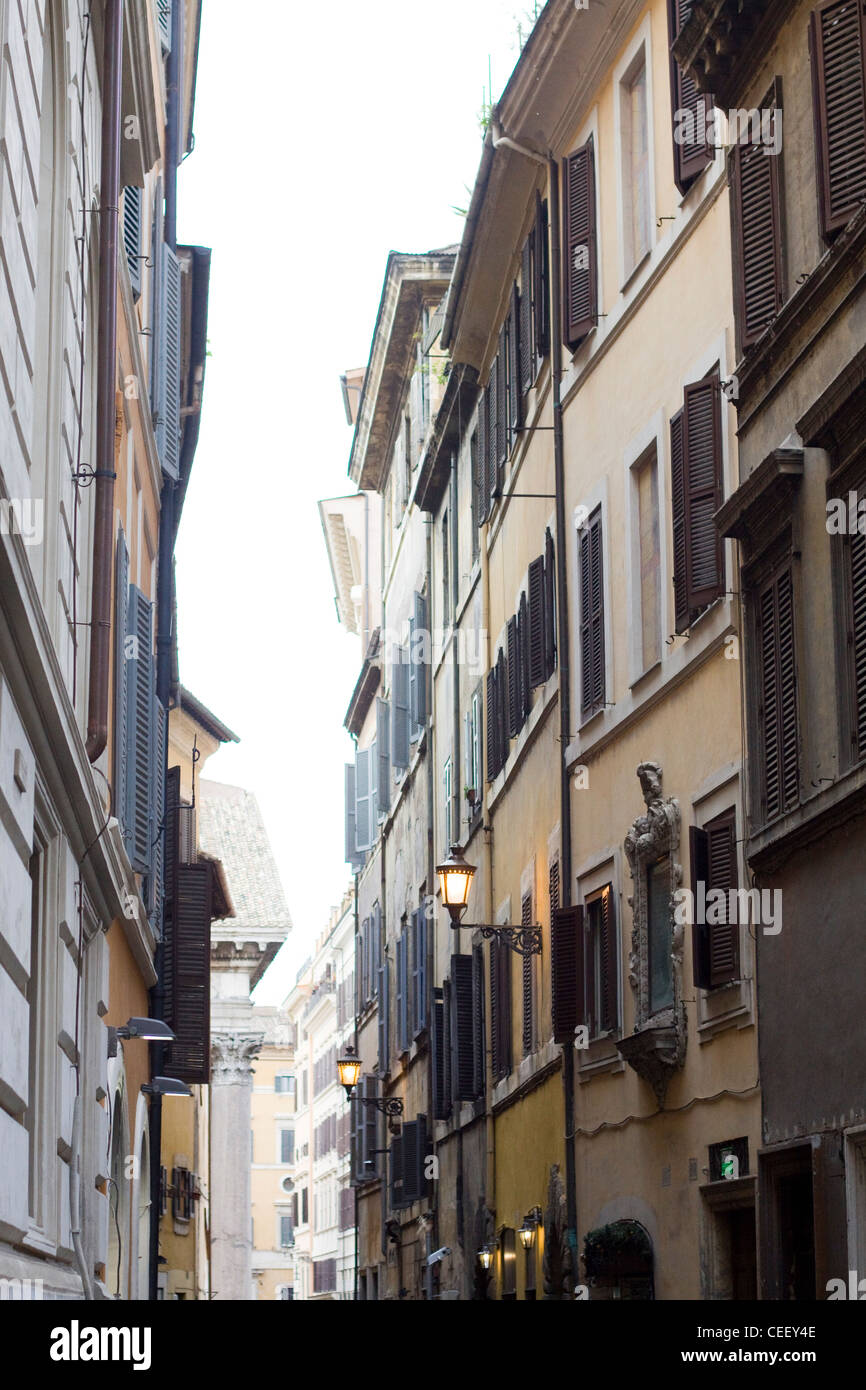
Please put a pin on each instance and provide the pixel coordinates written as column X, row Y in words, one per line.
column 524, row 941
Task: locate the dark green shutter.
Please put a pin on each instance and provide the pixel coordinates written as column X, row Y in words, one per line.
column 526, row 961
column 513, row 659
column 515, row 394
column 537, row 663
column 479, row 1067
column 396, row 1172
column 541, row 297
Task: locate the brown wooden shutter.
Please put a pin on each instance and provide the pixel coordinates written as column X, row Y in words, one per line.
column 702, row 476
column 523, row 655
column 527, row 314
column 500, row 1008
column 609, row 1012
column 580, row 269
column 172, row 833
column 541, row 294
column 839, row 93
column 482, row 450
column 492, row 727
column 479, row 1054
column 515, row 394
column 757, row 237
column 501, row 711
column 549, row 605
column 777, row 706
column 692, row 157
column 189, row 1055
column 856, row 545
column 493, row 431
column 591, row 616
column 699, row 867
column 566, row 968
column 462, row 1031
column 553, row 886
column 396, row 1173
column 528, row 1030
column 513, row 660
column 502, row 432
column 724, row 937
column 678, row 511
column 536, row 621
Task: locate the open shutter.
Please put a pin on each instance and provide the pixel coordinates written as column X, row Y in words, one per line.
column 374, row 790
column 396, row 1177
column 479, row 1068
column 536, row 623
column 355, row 1139
column 549, row 606
column 163, row 13
column 189, row 1055
column 167, row 422
column 418, row 648
column 690, row 110
column 502, row 707
column 526, row 347
column 567, row 971
column 678, row 512
column 384, row 1019
column 523, row 653
column 121, row 670
column 400, row 710
column 856, row 569
column 352, row 855
column 169, row 896
column 591, row 616
column 609, row 1014
column 441, row 1110
column 528, row 1021
column 370, row 1120
column 511, row 637
column 757, row 238
column 724, row 936
column 364, row 821
column 462, row 1030
column 141, row 731
column 839, row 91
column 420, row 971
column 777, row 707
column 157, row 838
column 541, row 297
column 482, row 455
column 515, row 394
column 702, row 474
column 500, row 1007
column 503, row 434
column 414, row 1143
column 493, row 488
column 383, row 742
column 132, row 215
column 580, row 273
column 402, row 1012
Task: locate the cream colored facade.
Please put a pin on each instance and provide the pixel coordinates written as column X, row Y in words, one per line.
column 273, row 1116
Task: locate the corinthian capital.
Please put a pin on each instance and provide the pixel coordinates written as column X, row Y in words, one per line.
column 232, row 1055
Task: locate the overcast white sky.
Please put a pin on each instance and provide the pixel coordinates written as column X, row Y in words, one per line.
column 327, row 134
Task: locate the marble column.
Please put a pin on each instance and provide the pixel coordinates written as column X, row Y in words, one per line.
column 231, row 1086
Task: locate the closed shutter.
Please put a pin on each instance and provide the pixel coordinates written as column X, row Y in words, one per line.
column 365, row 822
column 609, row 1012
column 167, row 421
column 757, row 236
column 500, row 1005
column 502, row 708
column 777, row 701
column 503, row 433
column 374, row 791
column 702, row 475
column 515, row 394
column 481, row 456
column 715, row 945
column 526, row 351
column 541, row 298
column 523, row 658
column 396, row 1172
column 163, row 13
column 856, row 545
column 141, row 730
column 580, row 273
column 402, row 994
column 592, row 692
column 375, row 946
column 549, row 606
column 370, row 1120
column 839, row 90
column 189, row 1055
column 528, row 1022
column 493, row 764
column 419, row 971
column 121, row 670
column 493, row 489
column 356, row 1135
column 132, row 218
column 169, row 897
column 514, row 701
column 383, row 741
column 567, row 971
column 384, row 1018
column 678, row 513
column 537, row 663
column 352, row 855
column 462, row 1030
column 400, row 710
column 157, row 838
column 553, row 886
column 418, row 651
column 691, row 156
column 441, row 1108
column 479, row 1053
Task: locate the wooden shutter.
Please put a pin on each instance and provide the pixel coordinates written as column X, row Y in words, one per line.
column 856, row 568
column 678, row 512
column 441, row 1108
column 757, row 236
column 353, row 857
column 419, row 645
column 167, row 422
column 839, row 92
column 528, row 1022
column 553, row 886
column 514, row 700
column 580, row 271
column 414, row 1155
column 541, row 297
column 567, row 971
column 189, row 1055
column 157, row 837
column 169, row 898
column 383, row 1015
column 777, row 699
column 493, row 489
column 374, row 791
column 592, row 692
column 502, row 708
column 526, row 351
column 500, row 1007
column 502, row 430
column 383, row 742
column 364, row 820
column 141, row 731
column 400, row 714
column 492, row 758
column 446, row 1044
column 699, row 874
column 515, row 393
column 132, row 218
column 163, row 13
column 537, row 663
column 462, row 1030
column 479, row 468
column 523, row 658
column 609, row 1011
column 396, row 1172
column 549, row 606
column 479, row 1069
column 402, row 994
column 692, row 157
column 419, row 971
column 716, row 945
column 370, row 1120
column 702, row 475
column 121, row 668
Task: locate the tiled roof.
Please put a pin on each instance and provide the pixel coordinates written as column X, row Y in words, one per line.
column 230, row 827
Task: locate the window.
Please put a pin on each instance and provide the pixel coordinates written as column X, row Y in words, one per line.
column 716, row 939
column 285, row 1293
column 757, row 232
column 689, row 108
column 402, row 946
column 635, row 165
column 777, row 696
column 286, row 1232
column 472, row 753
column 446, row 573
column 508, row 1257
column 500, row 1007
column 603, row 969
column 181, row 1200
column 696, row 495
column 324, row 1276
column 591, row 578
column 287, row 1146
column 284, row 1084
column 419, row 970
column 305, row 1206
column 580, row 261
column 450, row 837
column 476, row 470
column 646, row 491
column 661, row 980
column 419, row 660
column 839, row 86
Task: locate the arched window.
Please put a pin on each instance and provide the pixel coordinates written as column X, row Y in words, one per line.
column 619, row 1261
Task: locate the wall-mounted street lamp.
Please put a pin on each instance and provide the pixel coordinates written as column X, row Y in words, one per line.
column 349, row 1071
column 145, row 1029
column 528, row 1229
column 485, row 1257
column 455, row 880
column 166, row 1086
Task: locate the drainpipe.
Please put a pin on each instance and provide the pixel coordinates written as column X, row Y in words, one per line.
column 564, row 658
column 164, row 611
column 431, row 877
column 106, row 376
column 357, row 1054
